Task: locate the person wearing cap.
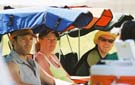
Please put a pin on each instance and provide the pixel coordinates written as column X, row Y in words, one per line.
column 47, row 61
column 104, row 41
column 23, row 69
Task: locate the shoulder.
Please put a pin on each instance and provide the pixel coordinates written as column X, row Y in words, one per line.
column 86, row 54
column 39, row 57
column 38, row 54
column 93, row 54
column 93, row 57
column 11, row 56
column 8, row 58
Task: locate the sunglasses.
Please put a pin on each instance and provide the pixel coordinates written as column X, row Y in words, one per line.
column 106, row 40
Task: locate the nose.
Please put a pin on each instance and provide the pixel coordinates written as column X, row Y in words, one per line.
column 106, row 42
column 28, row 41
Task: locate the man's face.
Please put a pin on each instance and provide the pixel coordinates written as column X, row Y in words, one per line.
column 105, row 43
column 23, row 44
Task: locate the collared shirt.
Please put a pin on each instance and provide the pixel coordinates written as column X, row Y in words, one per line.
column 27, row 69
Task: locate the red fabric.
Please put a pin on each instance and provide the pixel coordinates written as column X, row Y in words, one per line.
column 70, row 28
column 102, row 79
column 127, row 80
column 81, row 81
column 91, row 23
column 105, row 18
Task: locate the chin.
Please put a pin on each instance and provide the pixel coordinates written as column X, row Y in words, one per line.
column 27, row 53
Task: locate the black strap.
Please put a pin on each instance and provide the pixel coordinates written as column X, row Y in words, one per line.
column 11, row 20
column 57, row 23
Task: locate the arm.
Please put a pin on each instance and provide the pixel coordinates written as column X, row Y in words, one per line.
column 46, row 78
column 66, row 73
column 45, row 74
column 14, row 71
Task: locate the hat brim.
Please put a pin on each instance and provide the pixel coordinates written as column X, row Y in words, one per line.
column 23, row 33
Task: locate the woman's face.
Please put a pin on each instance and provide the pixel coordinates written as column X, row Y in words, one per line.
column 48, row 43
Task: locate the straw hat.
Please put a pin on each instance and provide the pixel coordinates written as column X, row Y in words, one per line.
column 101, row 33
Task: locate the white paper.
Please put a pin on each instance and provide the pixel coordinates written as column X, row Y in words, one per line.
column 61, row 82
column 80, row 77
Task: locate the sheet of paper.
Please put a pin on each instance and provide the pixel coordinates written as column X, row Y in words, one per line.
column 61, row 82
column 80, row 77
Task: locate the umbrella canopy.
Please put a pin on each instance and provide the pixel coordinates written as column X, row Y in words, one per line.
column 116, row 22
column 103, row 19
column 58, row 19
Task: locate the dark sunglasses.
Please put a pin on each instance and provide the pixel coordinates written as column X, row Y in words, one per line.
column 106, row 40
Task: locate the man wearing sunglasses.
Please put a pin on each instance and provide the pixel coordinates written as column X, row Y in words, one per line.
column 104, row 41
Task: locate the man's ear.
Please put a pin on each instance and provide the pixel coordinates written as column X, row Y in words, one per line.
column 12, row 40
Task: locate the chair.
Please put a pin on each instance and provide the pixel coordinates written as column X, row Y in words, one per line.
column 82, row 67
column 68, row 61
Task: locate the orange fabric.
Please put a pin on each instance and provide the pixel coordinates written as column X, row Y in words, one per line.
column 102, row 79
column 70, row 27
column 81, row 81
column 105, row 18
column 91, row 23
column 103, row 21
column 108, row 13
column 127, row 80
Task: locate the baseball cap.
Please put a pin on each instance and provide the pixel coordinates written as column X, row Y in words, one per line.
column 22, row 33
